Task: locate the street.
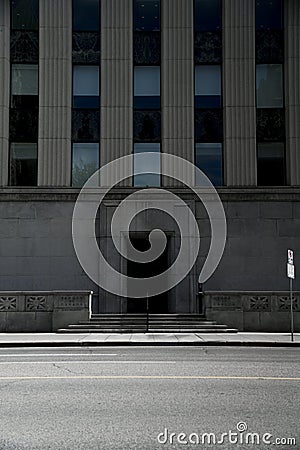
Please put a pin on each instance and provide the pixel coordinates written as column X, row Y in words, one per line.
column 124, row 398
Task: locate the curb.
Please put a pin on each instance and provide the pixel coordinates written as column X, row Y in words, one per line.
column 150, row 344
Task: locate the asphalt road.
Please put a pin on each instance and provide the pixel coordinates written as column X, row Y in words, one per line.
column 123, row 398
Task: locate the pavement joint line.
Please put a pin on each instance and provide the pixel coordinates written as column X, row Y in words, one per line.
column 84, row 362
column 149, row 377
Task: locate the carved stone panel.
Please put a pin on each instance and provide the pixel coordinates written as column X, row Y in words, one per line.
column 208, row 47
column 8, row 303
column 24, row 46
column 86, row 47
column 284, row 303
column 259, row 303
column 23, row 125
column 269, row 47
column 209, row 125
column 147, row 126
column 146, row 48
column 36, row 303
column 270, row 124
column 85, row 125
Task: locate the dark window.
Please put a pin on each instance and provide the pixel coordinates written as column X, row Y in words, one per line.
column 209, row 159
column 23, row 164
column 85, row 162
column 25, row 14
column 208, row 15
column 208, row 86
column 86, row 15
column 147, row 87
column 146, row 15
column 268, row 15
column 150, row 169
column 270, row 164
column 86, row 87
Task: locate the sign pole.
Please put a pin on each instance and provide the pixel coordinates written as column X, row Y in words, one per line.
column 292, row 309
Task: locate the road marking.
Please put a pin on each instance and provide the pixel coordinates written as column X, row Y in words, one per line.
column 147, row 377
column 55, row 354
column 89, row 362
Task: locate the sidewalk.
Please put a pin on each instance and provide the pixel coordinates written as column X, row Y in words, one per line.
column 148, row 339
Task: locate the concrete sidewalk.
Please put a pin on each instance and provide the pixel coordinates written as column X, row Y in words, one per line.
column 142, row 339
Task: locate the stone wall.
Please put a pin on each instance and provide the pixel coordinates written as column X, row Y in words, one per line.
column 253, row 311
column 42, row 311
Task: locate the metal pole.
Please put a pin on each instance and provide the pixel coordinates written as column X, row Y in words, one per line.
column 292, row 309
column 147, row 319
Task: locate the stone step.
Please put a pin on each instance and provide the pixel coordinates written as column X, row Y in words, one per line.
column 133, row 326
column 142, row 330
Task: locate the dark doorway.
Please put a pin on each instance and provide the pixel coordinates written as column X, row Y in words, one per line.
column 159, row 303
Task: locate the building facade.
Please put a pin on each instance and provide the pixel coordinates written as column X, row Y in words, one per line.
column 86, row 82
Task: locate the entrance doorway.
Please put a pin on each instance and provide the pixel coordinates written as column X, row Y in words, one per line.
column 158, row 304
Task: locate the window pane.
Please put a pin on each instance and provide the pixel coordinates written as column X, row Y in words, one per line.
column 86, row 86
column 208, row 86
column 146, row 15
column 25, row 14
column 24, row 79
column 268, row 14
column 152, row 164
column 85, row 162
column 208, row 15
column 147, row 87
column 86, row 15
column 23, row 164
column 269, row 86
column 209, row 159
column 270, row 164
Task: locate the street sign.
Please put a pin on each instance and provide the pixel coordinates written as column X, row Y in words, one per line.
column 290, row 257
column 291, row 271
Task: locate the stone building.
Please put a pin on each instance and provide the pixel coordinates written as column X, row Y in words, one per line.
column 84, row 82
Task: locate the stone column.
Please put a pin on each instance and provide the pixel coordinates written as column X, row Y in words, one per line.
column 292, row 88
column 177, row 74
column 239, row 92
column 116, row 80
column 4, row 89
column 55, row 93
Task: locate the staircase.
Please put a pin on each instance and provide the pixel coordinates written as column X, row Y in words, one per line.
column 156, row 323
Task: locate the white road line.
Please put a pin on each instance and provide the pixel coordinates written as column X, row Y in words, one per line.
column 89, row 362
column 17, row 355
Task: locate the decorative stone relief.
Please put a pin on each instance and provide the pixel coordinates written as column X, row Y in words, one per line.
column 269, row 47
column 259, row 303
column 24, row 46
column 147, row 126
column 85, row 125
column 86, row 47
column 36, row 303
column 146, row 48
column 208, row 47
column 8, row 303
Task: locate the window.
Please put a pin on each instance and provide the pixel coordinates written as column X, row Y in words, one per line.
column 86, row 87
column 152, row 164
column 147, row 87
column 23, row 164
column 269, row 90
column 24, row 85
column 268, row 14
column 209, row 159
column 86, row 15
column 208, row 15
column 85, row 162
column 208, row 86
column 146, row 15
column 270, row 164
column 25, row 14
